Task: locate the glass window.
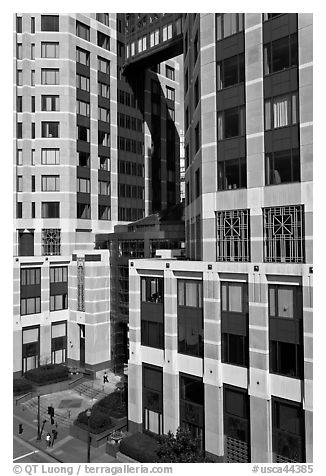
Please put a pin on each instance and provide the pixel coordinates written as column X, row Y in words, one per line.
column 50, row 183
column 19, row 157
column 83, row 108
column 103, row 65
column 103, row 41
column 49, row 76
column 32, row 24
column 50, row 129
column 233, row 243
column 49, row 49
column 19, row 77
column 50, row 103
column 103, row 18
column 103, row 114
column 32, row 77
column 281, row 54
column 49, row 22
column 50, row 156
column 232, row 174
column 104, row 90
column 19, row 23
column 83, row 211
column 50, row 209
column 83, row 133
column 103, row 187
column 228, row 24
column 83, row 185
column 82, row 30
column 82, row 56
column 282, row 167
column 19, row 51
column 231, row 123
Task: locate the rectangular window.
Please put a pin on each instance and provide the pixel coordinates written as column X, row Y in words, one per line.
column 30, row 276
column 83, row 133
column 33, row 51
column 50, row 129
column 19, row 77
column 50, row 156
column 33, row 183
column 233, row 242
column 59, row 274
column 33, row 209
column 152, row 316
column 103, row 187
column 104, row 212
column 170, row 72
column 33, row 103
column 83, row 159
column 30, row 306
column 167, row 32
column 58, row 302
column 19, row 157
column 230, row 72
column 103, row 65
column 104, row 138
column 82, row 82
column 104, row 90
column 19, row 23
column 19, row 103
column 196, row 48
column 83, row 185
column 83, row 108
column 19, row 51
column 281, row 111
column 190, row 317
column 196, row 91
column 232, row 174
column 170, row 93
column 228, row 24
column 284, row 234
column 231, row 123
column 58, row 340
column 51, row 241
column 103, row 18
column 282, row 167
column 197, row 183
column 49, row 76
column 103, row 114
column 83, row 211
column 82, row 30
column 155, row 38
column 32, row 24
column 103, row 41
column 33, row 157
column 49, row 22
column 50, row 209
column 49, row 49
column 33, row 77
column 19, row 130
column 82, row 56
column 50, row 183
column 152, row 394
column 19, row 210
column 33, row 130
column 50, row 103
column 236, row 416
column 281, row 54
column 192, row 406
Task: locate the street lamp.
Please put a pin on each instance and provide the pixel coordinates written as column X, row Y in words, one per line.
column 38, row 417
column 88, row 414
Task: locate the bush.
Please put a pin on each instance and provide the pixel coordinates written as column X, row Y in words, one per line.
column 22, row 386
column 113, row 405
column 98, row 421
column 49, row 373
column 140, row 447
column 180, row 448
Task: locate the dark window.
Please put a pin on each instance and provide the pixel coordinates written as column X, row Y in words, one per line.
column 288, row 431
column 30, row 305
column 231, row 123
column 33, row 130
column 234, row 312
column 103, row 18
column 152, row 399
column 104, row 212
column 49, row 22
column 236, row 425
column 50, row 129
column 103, row 41
column 19, row 103
column 33, row 210
column 33, row 183
column 170, row 72
column 33, row 103
column 83, row 159
column 281, row 54
column 30, row 291
column 50, row 103
column 228, row 24
column 83, row 108
column 83, row 211
column 231, row 71
column 152, row 317
column 282, row 167
column 19, row 130
column 58, row 341
column 82, row 30
column 83, row 133
column 50, row 209
column 269, row 16
column 232, row 174
column 196, row 48
column 32, row 24
column 190, row 317
column 192, row 406
column 170, row 93
column 19, row 23
column 19, row 210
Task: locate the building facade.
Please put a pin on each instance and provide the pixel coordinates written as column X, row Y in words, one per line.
column 232, row 355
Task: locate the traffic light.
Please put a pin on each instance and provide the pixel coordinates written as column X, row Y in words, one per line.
column 52, row 420
column 51, row 411
column 20, row 428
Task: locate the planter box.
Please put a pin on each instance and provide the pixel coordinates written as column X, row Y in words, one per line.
column 97, row 440
column 119, row 422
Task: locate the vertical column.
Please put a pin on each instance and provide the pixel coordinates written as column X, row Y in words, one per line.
column 17, row 330
column 171, row 416
column 135, row 361
column 259, row 391
column 45, row 321
column 308, row 364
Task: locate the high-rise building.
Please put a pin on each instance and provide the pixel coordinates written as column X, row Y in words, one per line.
column 93, row 148
column 231, row 355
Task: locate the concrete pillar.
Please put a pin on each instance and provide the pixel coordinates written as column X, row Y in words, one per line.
column 260, row 430
column 214, row 438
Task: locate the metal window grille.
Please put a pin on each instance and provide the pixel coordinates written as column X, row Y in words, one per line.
column 233, row 242
column 236, row 451
column 284, row 234
column 81, row 284
column 51, row 241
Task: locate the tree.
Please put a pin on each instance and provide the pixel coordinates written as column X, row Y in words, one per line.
column 181, row 448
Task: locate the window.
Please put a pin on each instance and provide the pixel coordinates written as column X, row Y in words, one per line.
column 33, row 157
column 104, row 90
column 33, row 103
column 58, row 302
column 103, row 18
column 30, row 291
column 83, row 159
column 83, row 185
column 51, row 241
column 19, row 77
column 152, row 290
column 19, row 104
column 59, row 274
column 103, row 41
column 82, row 30
column 104, row 138
column 19, row 22
column 236, row 416
column 58, row 340
column 32, row 183
column 103, row 187
column 30, row 276
column 152, row 316
column 83, row 108
column 228, row 24
column 82, row 56
column 19, row 157
column 167, row 32
column 33, row 77
column 30, row 306
column 282, row 167
column 231, row 123
column 104, row 212
column 49, row 22
column 269, row 16
column 190, row 317
column 142, row 44
column 19, row 210
column 234, row 312
column 50, row 156
column 192, row 406
column 49, row 49
column 284, row 234
column 281, row 111
column 281, row 54
column 33, row 51
column 230, row 72
column 83, row 211
column 154, row 38
column 104, row 163
column 83, row 133
column 49, row 76
column 50, row 129
column 82, row 82
column 197, row 138
column 33, row 130
column 19, row 130
column 19, row 51
column 152, row 399
column 170, row 93
column 33, row 209
column 288, row 431
column 50, row 183
column 232, row 174
column 103, row 114
column 50, row 103
column 103, row 65
column 50, row 209
column 32, row 24
column 233, row 234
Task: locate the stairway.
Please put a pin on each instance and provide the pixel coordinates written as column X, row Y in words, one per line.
column 61, row 416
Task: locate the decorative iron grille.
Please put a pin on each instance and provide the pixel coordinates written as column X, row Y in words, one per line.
column 284, row 234
column 51, row 241
column 233, row 243
column 81, row 284
column 236, row 451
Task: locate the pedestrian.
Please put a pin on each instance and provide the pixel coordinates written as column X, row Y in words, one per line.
column 54, row 436
column 48, row 440
column 105, row 378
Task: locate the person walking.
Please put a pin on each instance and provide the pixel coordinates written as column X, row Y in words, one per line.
column 105, row 378
column 48, row 440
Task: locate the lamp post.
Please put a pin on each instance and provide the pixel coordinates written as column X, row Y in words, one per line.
column 38, row 417
column 88, row 414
